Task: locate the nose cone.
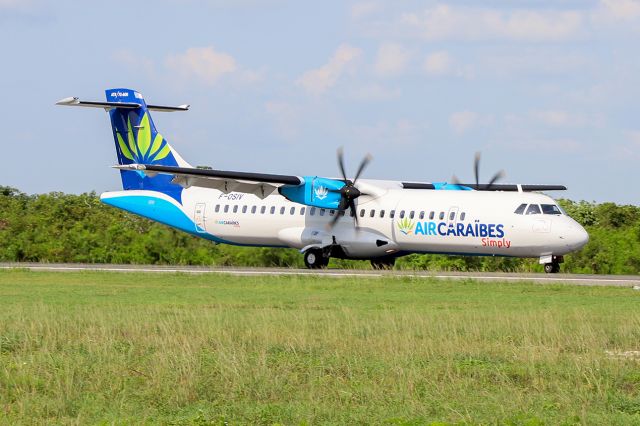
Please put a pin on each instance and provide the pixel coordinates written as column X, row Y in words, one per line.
column 578, row 237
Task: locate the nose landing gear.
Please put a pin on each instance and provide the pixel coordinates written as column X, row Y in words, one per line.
column 552, row 268
column 551, row 263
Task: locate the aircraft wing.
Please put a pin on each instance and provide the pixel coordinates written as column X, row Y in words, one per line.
column 259, row 184
column 483, row 186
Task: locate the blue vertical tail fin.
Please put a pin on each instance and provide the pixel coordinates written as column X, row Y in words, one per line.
column 137, row 140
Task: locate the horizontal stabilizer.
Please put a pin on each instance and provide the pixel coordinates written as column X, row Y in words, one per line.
column 73, row 101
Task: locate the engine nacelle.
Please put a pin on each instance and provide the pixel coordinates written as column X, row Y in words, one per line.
column 315, row 191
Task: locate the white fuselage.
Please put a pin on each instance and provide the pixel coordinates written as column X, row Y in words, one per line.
column 396, row 221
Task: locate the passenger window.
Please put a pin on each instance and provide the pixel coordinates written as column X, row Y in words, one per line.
column 244, row 209
column 381, row 213
column 452, row 215
column 235, row 208
column 411, row 214
column 521, row 208
column 362, row 213
column 533, row 209
column 441, row 215
column 226, row 208
column 302, row 209
column 462, row 216
column 263, row 209
column 253, row 210
column 401, row 214
column 341, row 213
column 331, row 212
column 432, row 215
column 217, row 208
column 282, row 210
column 550, row 209
column 421, row 215
column 312, row 211
column 292, row 211
column 272, row 210
column 392, row 214
column 322, row 212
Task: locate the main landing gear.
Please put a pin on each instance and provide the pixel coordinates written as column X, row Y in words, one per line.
column 315, row 259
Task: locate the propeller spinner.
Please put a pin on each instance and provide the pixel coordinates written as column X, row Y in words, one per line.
column 349, row 192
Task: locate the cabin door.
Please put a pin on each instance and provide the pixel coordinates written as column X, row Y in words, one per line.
column 199, row 217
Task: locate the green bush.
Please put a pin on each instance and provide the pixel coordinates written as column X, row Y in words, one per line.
column 59, row 227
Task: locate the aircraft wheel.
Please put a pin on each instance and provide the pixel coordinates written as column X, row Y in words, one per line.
column 385, row 263
column 552, row 268
column 314, row 259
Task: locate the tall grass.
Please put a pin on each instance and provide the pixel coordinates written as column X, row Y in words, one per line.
column 80, row 348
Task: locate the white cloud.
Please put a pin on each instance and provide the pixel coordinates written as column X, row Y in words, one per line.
column 533, row 61
column 203, row 63
column 437, row 63
column 444, row 22
column 462, row 121
column 319, row 80
column 17, row 4
column 382, row 133
column 392, row 59
column 374, row 92
column 559, row 118
column 563, row 145
column 621, row 9
column 363, row 9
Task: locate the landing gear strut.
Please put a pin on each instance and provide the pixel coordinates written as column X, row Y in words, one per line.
column 315, row 259
column 383, row 263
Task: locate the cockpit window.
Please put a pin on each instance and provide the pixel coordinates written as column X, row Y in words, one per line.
column 550, row 209
column 533, row 209
column 520, row 209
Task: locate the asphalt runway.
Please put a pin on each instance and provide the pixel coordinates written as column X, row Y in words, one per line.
column 632, row 281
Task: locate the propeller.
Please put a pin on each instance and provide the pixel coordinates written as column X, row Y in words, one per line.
column 476, row 171
column 349, row 192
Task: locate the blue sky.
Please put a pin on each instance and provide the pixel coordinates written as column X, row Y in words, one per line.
column 546, row 90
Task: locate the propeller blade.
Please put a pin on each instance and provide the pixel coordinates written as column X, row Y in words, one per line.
column 476, row 168
column 335, row 219
column 352, row 207
column 341, row 163
column 494, row 179
column 363, row 164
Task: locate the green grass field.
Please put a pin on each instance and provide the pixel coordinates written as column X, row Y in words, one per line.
column 78, row 348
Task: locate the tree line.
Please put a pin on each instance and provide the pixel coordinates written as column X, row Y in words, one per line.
column 58, row 227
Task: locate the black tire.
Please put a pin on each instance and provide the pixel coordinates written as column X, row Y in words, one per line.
column 383, row 263
column 314, row 259
column 552, row 268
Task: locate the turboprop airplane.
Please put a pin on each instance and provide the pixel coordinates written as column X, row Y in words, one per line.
column 328, row 217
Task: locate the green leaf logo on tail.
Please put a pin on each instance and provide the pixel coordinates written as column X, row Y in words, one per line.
column 142, row 150
column 405, row 226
